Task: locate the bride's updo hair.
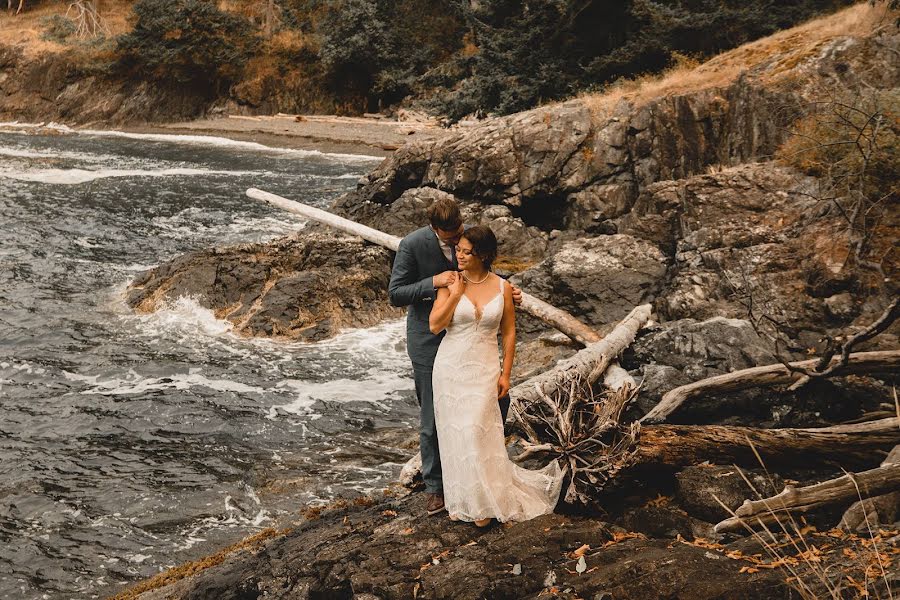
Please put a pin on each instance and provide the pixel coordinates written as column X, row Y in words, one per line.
column 484, row 243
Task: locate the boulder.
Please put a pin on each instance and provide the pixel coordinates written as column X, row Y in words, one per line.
column 308, row 286
column 699, row 486
column 598, row 279
column 676, row 353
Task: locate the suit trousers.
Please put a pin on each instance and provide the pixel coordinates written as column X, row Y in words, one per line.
column 428, row 439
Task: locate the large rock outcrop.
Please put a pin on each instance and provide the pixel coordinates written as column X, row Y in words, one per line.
column 303, row 287
column 60, row 88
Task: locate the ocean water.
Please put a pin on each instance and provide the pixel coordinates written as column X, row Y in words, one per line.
column 131, row 443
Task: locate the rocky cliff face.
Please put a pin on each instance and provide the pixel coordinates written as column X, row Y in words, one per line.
column 58, row 88
column 670, row 199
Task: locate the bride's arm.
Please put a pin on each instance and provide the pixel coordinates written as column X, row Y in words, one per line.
column 508, row 335
column 444, row 305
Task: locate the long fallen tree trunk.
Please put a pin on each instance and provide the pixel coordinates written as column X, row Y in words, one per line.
column 556, row 318
column 768, row 375
column 587, row 365
column 847, row 445
column 767, row 511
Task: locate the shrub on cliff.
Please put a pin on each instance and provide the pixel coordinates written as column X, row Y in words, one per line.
column 188, row 42
column 850, row 143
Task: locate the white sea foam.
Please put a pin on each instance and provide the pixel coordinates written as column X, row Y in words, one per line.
column 188, row 223
column 184, row 315
column 134, row 383
column 206, row 140
column 377, row 389
column 234, row 516
column 94, row 158
column 16, row 153
column 77, row 176
column 209, row 140
column 30, row 127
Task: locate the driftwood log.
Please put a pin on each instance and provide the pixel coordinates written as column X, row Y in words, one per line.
column 768, row 375
column 767, row 511
column 549, row 314
column 589, row 364
column 874, row 511
column 847, row 445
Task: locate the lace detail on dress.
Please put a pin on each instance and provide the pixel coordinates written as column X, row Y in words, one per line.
column 479, row 478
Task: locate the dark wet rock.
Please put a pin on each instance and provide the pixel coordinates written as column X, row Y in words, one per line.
column 700, row 349
column 598, row 279
column 699, row 486
column 305, row 287
column 665, row 520
column 656, row 380
column 840, row 306
column 675, row 353
column 392, row 550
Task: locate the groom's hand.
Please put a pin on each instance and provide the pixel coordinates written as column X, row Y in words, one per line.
column 444, row 279
column 516, row 294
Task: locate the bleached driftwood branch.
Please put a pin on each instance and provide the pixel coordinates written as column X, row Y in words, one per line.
column 589, row 364
column 768, row 375
column 767, row 511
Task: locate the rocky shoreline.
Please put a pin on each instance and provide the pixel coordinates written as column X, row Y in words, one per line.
column 671, row 199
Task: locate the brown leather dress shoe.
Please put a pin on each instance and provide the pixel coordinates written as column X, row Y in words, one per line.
column 435, row 504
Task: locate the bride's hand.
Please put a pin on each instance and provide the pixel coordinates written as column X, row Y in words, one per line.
column 502, row 386
column 457, row 285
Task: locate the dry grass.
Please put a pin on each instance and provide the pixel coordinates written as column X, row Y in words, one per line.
column 785, row 49
column 27, row 29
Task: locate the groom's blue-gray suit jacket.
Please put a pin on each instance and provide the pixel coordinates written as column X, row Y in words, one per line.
column 419, row 258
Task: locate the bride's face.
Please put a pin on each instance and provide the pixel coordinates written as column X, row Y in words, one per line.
column 465, row 256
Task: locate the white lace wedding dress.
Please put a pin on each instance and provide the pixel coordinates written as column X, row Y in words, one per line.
column 480, row 480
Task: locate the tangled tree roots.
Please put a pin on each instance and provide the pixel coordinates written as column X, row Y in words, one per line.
column 583, row 431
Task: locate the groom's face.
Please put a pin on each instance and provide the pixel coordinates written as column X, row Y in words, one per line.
column 449, row 236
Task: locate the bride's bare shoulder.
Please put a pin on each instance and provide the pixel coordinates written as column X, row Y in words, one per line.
column 506, row 287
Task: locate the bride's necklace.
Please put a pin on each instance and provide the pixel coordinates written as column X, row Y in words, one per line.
column 483, row 279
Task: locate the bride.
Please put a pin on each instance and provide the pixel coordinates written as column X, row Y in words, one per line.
column 480, row 481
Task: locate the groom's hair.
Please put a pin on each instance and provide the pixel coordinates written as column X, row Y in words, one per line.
column 484, row 243
column 444, row 214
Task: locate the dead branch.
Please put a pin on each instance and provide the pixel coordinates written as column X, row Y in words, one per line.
column 88, row 22
column 587, row 366
column 873, row 482
column 768, row 375
column 822, row 368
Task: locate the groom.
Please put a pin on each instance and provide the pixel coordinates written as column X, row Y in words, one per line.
column 426, row 261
